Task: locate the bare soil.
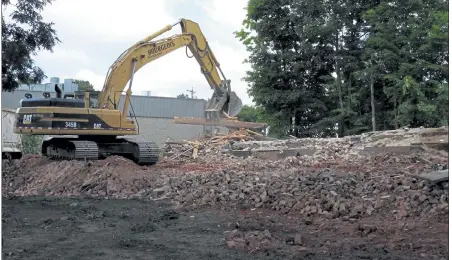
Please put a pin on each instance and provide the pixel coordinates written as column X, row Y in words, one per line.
column 335, row 204
column 87, row 228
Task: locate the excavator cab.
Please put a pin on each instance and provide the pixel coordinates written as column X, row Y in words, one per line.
column 91, row 98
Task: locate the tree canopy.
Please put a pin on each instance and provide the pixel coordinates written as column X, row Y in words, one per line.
column 24, row 33
column 183, row 96
column 346, row 67
column 84, row 85
column 251, row 114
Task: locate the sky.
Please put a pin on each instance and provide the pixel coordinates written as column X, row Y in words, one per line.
column 94, row 33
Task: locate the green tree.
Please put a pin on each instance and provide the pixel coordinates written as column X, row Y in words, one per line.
column 251, row 114
column 359, row 65
column 84, row 85
column 335, row 30
column 407, row 53
column 285, row 79
column 24, row 33
column 183, row 96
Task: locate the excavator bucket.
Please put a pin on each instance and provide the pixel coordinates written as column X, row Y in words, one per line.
column 228, row 103
column 235, row 104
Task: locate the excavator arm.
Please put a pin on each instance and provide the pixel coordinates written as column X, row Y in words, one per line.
column 223, row 100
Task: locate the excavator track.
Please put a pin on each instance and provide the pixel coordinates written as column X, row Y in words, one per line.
column 67, row 149
column 142, row 153
column 86, row 150
column 148, row 153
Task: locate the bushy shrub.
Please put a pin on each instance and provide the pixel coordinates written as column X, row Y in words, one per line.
column 31, row 144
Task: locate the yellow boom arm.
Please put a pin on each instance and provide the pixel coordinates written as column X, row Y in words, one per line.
column 146, row 50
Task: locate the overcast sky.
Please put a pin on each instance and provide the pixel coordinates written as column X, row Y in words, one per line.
column 95, row 32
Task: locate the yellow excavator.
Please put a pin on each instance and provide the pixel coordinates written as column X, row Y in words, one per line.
column 94, row 118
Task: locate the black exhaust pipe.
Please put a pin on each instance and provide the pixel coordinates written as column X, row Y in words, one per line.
column 58, row 91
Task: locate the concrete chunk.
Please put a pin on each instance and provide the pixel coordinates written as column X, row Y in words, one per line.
column 241, row 153
column 392, row 150
column 436, row 177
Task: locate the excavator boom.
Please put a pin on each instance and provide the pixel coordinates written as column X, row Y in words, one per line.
column 148, row 50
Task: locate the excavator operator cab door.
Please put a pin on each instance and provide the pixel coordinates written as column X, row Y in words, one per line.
column 91, row 98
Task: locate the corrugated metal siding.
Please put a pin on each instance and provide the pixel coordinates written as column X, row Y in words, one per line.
column 12, row 99
column 161, row 129
column 144, row 106
column 161, row 107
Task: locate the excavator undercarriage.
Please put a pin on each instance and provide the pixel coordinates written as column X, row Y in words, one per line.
column 93, row 148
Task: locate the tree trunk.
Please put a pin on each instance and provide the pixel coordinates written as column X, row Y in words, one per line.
column 296, row 124
column 349, row 92
column 396, row 111
column 339, row 88
column 291, row 125
column 372, row 103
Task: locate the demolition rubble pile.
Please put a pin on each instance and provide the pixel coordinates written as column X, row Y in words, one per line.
column 309, row 151
column 317, row 193
column 207, row 148
column 407, row 136
column 335, row 182
column 384, row 186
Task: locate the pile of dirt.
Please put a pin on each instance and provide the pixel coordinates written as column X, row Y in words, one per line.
column 327, row 189
column 34, row 175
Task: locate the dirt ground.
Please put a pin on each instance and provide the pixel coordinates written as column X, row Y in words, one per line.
column 337, row 203
column 86, row 228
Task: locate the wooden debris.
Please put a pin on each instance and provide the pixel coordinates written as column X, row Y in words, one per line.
column 230, row 117
column 254, row 133
column 194, row 146
column 225, row 122
column 195, row 150
column 174, row 142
